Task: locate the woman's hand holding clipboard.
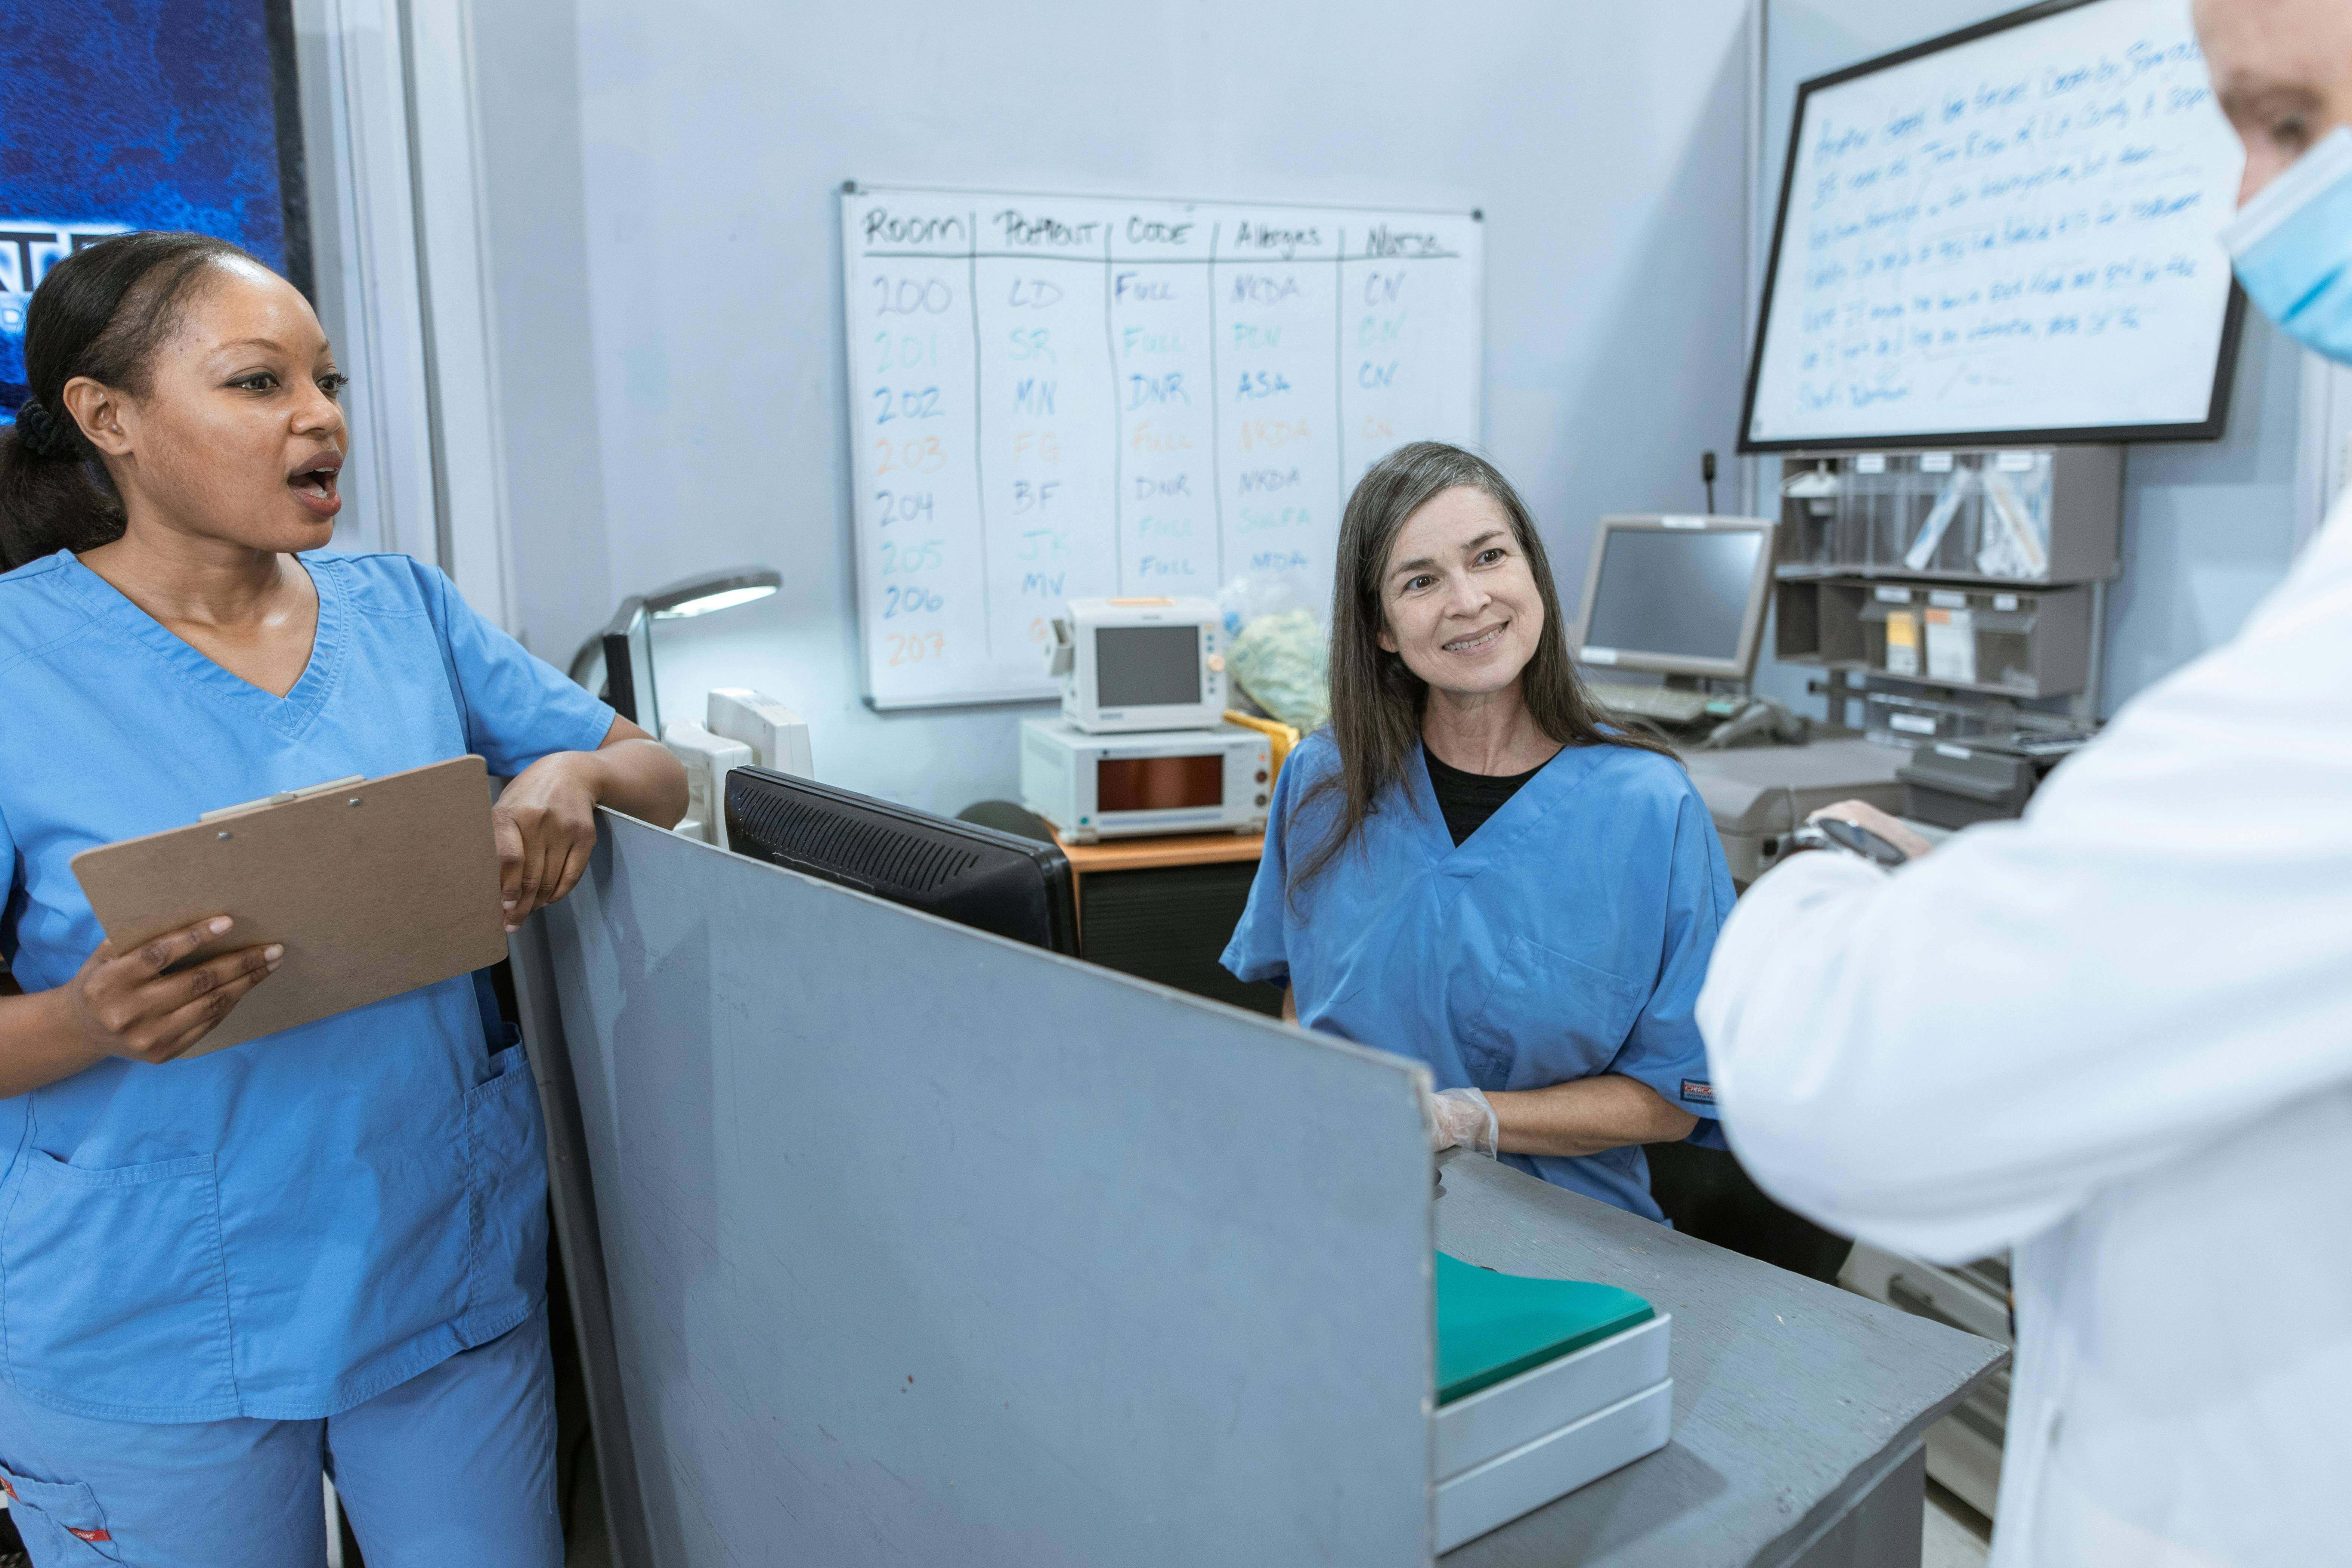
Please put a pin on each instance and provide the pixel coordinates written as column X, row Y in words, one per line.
column 142, row 1004
column 363, row 888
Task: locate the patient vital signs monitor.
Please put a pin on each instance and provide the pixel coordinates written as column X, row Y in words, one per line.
column 1141, row 664
column 1677, row 595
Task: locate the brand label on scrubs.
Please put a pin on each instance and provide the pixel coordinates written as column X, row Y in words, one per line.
column 1694, row 1088
column 88, row 1534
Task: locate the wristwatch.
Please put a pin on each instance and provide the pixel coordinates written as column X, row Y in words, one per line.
column 1837, row 833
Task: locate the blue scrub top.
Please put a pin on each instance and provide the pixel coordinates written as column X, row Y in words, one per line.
column 1567, row 937
column 287, row 1227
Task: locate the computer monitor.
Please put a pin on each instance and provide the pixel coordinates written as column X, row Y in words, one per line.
column 960, row 871
column 1678, row 595
column 627, row 645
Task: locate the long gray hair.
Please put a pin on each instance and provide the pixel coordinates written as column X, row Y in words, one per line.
column 1377, row 700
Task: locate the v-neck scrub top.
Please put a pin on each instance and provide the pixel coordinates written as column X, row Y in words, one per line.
column 287, row 1227
column 1465, row 800
column 1565, row 938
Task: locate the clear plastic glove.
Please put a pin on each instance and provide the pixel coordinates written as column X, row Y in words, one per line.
column 1461, row 1119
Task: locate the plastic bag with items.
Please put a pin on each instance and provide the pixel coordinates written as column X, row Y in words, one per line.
column 1278, row 656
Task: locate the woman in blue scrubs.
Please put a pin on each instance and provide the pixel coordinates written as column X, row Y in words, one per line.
column 321, row 1248
column 1469, row 867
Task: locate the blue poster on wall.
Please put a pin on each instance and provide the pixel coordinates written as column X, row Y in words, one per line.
column 141, row 114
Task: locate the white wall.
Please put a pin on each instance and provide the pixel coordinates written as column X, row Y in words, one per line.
column 665, row 257
column 363, row 261
column 2209, row 527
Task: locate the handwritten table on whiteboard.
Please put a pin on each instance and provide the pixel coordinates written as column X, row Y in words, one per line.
column 1053, row 397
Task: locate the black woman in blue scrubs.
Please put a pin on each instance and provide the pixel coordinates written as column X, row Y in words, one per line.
column 324, row 1248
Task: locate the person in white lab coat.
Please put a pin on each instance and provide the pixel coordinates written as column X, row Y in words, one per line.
column 2117, row 1037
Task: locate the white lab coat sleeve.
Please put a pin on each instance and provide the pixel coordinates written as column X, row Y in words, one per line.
column 1952, row 1057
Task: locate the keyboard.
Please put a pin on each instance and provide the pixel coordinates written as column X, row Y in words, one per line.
column 1665, row 703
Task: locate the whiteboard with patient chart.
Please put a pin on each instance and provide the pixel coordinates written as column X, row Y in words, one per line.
column 1053, row 397
column 2005, row 235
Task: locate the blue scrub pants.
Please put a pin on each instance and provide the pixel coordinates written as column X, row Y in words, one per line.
column 453, row 1468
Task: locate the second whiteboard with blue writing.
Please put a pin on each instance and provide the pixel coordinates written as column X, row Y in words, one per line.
column 2010, row 234
column 1053, row 397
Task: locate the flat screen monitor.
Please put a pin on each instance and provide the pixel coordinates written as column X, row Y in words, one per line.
column 1677, row 595
column 998, row 882
column 179, row 115
column 2004, row 236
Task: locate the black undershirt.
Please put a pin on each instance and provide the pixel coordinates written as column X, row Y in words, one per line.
column 1467, row 800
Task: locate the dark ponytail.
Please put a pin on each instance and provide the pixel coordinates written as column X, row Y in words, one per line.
column 100, row 312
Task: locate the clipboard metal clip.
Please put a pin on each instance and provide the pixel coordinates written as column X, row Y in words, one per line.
column 281, row 797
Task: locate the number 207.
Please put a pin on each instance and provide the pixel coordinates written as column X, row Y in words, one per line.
column 913, row 647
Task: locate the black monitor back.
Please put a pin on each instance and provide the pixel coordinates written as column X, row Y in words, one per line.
column 960, row 871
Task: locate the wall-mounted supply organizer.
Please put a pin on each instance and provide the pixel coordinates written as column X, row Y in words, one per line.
column 2050, row 515
column 1961, row 585
column 1896, row 717
column 2025, row 643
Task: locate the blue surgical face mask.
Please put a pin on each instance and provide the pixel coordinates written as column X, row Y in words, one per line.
column 2292, row 248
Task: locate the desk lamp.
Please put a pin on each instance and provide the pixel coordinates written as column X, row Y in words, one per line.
column 626, row 643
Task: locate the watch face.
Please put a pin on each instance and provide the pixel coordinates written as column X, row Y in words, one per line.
column 1862, row 841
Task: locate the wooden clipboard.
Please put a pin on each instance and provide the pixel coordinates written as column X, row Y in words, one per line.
column 374, row 886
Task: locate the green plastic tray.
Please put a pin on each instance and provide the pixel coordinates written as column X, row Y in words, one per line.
column 1494, row 1326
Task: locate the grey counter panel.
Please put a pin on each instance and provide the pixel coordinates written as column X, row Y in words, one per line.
column 1792, row 1398
column 927, row 1247
column 923, row 1247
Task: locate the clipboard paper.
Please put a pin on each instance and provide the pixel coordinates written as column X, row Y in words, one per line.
column 374, row 887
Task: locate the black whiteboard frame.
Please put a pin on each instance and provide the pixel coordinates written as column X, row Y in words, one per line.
column 2225, row 360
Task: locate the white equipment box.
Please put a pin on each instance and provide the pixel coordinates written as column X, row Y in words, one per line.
column 1108, row 786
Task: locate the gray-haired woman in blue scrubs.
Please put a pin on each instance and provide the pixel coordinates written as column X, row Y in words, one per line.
column 324, row 1248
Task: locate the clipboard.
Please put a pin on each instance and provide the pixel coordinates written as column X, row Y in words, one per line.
column 374, row 886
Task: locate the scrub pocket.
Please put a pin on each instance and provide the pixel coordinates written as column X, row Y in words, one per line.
column 506, row 1189
column 1546, row 1018
column 61, row 1522
column 113, row 1294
